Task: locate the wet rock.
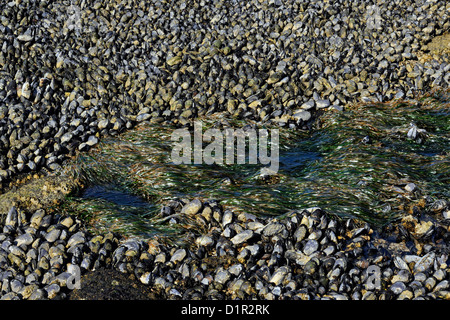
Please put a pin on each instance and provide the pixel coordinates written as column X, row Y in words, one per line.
column 398, row 287
column 410, row 187
column 222, row 276
column 12, row 217
column 178, row 256
column 242, row 237
column 425, row 263
column 321, row 104
column 300, row 233
column 308, row 105
column 205, row 241
column 192, row 207
column 311, row 246
column 92, row 140
column 279, row 275
column 24, row 240
column 273, row 228
column 302, row 115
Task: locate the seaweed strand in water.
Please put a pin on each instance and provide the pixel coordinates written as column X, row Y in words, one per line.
column 357, row 164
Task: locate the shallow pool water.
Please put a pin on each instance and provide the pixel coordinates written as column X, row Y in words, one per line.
column 356, row 163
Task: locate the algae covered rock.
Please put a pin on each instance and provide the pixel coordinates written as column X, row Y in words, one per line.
column 38, row 193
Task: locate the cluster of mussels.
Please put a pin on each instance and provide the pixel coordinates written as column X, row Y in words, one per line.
column 71, row 72
column 305, row 254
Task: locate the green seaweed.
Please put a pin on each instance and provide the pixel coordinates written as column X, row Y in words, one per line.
column 330, row 167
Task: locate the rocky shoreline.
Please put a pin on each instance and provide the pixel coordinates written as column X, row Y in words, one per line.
column 303, row 255
column 72, row 74
column 69, row 77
